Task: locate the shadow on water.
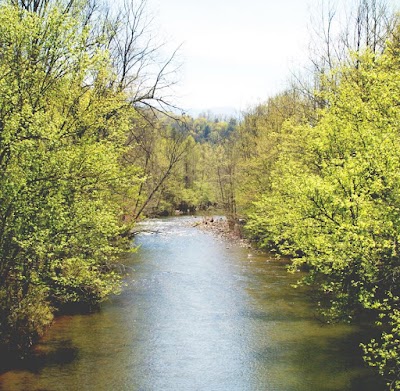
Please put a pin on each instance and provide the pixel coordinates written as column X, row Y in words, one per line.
column 349, row 370
column 17, row 373
column 61, row 354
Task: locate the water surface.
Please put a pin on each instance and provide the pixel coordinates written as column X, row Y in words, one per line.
column 197, row 313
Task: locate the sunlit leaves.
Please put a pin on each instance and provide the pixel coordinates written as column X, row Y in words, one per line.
column 63, row 184
column 333, row 203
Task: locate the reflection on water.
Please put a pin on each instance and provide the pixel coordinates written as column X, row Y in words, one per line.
column 197, row 314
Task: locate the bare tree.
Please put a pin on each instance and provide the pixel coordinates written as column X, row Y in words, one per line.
column 142, row 71
column 343, row 28
column 157, row 147
column 340, row 30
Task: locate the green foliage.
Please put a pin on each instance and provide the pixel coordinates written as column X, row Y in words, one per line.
column 79, row 163
column 63, row 183
column 333, row 202
column 159, row 147
column 384, row 353
column 317, row 178
column 212, row 130
column 260, row 141
column 24, row 315
column 181, row 169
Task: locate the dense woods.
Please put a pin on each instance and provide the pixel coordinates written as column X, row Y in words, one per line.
column 89, row 145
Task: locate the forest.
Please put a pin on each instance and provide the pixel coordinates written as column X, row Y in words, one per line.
column 89, row 145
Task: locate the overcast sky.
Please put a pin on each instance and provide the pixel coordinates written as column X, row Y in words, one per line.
column 235, row 52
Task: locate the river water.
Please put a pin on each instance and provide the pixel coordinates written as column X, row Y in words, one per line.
column 197, row 313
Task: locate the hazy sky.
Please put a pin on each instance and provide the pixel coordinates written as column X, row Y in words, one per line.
column 235, row 52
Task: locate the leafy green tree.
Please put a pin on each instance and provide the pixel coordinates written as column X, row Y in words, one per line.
column 259, row 140
column 334, row 202
column 62, row 180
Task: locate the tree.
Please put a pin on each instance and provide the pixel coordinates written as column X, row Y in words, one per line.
column 64, row 184
column 259, row 140
column 333, row 204
column 340, row 29
column 141, row 71
column 157, row 146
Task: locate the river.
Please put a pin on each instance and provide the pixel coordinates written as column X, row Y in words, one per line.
column 197, row 313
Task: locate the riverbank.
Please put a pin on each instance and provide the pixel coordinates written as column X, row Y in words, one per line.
column 221, row 227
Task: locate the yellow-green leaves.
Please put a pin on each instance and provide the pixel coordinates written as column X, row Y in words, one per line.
column 334, row 201
column 62, row 184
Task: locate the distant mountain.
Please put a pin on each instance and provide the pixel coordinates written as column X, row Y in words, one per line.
column 216, row 112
